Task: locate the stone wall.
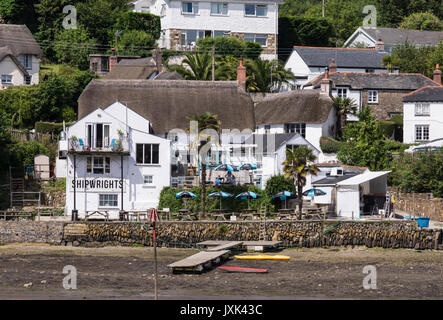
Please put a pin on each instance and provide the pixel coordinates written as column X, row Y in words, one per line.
column 388, row 101
column 31, row 231
column 419, row 204
column 385, row 234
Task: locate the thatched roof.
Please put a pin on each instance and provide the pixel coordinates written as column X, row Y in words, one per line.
column 300, row 106
column 167, row 103
column 5, row 52
column 19, row 40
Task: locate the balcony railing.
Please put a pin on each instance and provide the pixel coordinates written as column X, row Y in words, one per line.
column 116, row 145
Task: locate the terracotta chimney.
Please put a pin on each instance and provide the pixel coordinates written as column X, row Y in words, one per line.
column 112, row 60
column 326, row 85
column 241, row 75
column 332, row 67
column 437, row 74
column 380, row 45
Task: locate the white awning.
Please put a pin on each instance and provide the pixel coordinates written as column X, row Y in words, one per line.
column 362, row 178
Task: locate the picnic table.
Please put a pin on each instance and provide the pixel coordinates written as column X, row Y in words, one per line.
column 286, row 213
column 104, row 214
column 138, row 215
column 249, row 213
column 220, row 213
column 310, row 213
column 186, row 213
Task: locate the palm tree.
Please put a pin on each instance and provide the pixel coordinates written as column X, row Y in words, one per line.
column 267, row 76
column 343, row 106
column 195, row 66
column 205, row 121
column 298, row 164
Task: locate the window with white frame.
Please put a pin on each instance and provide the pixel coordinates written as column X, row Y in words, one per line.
column 259, row 38
column 256, row 10
column 6, row 78
column 108, row 200
column 97, row 135
column 98, row 165
column 342, row 92
column 148, row 179
column 219, row 8
column 372, row 96
column 422, row 109
column 421, row 132
column 189, row 7
column 296, row 128
column 147, row 153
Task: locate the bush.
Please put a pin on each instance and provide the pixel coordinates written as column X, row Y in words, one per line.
column 146, row 22
column 135, row 42
column 329, row 145
column 278, row 184
column 49, row 127
column 229, row 46
column 23, row 153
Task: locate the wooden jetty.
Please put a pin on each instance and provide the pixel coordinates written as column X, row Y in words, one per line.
column 199, row 261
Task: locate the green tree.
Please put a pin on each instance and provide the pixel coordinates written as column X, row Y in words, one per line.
column 344, row 106
column 73, row 46
column 141, row 21
column 205, row 121
column 229, row 46
column 422, row 21
column 135, row 42
column 195, row 66
column 298, row 164
column 277, row 184
column 19, row 12
column 365, row 145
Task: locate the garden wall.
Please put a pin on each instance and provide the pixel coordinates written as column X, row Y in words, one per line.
column 31, row 231
column 420, row 204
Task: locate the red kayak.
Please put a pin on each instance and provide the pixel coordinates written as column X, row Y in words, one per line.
column 238, row 269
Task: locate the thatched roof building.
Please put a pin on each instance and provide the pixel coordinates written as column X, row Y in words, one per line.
column 19, row 39
column 168, row 103
column 298, row 106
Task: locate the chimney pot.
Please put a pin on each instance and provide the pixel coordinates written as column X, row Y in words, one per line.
column 241, row 75
column 112, row 60
column 332, row 67
column 437, row 74
column 380, row 45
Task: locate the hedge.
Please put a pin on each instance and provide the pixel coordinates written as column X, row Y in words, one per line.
column 329, row 145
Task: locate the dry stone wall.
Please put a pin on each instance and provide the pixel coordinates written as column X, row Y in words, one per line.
column 31, row 231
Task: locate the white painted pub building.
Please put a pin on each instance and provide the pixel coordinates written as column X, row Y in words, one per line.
column 113, row 163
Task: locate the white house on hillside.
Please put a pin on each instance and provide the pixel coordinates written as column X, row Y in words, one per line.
column 307, row 63
column 183, row 22
column 113, row 163
column 423, row 115
column 19, row 56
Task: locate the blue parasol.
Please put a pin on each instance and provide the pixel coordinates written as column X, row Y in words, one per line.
column 284, row 196
column 314, row 192
column 221, row 195
column 247, row 195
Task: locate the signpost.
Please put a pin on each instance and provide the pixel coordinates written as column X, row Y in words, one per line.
column 153, row 218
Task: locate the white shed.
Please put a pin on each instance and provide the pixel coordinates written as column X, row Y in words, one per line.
column 42, row 167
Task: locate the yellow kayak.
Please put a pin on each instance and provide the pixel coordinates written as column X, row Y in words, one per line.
column 263, row 257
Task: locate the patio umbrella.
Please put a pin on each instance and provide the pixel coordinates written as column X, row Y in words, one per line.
column 314, row 192
column 221, row 195
column 247, row 195
column 247, row 166
column 284, row 195
column 224, row 167
column 185, row 195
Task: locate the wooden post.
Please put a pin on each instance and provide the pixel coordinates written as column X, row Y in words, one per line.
column 153, row 217
column 352, row 215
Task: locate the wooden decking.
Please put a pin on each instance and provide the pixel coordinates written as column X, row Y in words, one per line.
column 226, row 246
column 199, row 261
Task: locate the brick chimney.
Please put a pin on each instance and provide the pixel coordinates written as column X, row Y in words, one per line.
column 112, row 60
column 326, row 85
column 332, row 67
column 437, row 74
column 241, row 75
column 380, row 45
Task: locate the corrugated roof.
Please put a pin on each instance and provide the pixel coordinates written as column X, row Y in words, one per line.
column 344, row 57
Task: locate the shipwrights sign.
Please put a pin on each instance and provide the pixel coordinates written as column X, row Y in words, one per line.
column 97, row 184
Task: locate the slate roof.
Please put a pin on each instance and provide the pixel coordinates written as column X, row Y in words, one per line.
column 303, row 106
column 378, row 81
column 393, row 36
column 333, row 180
column 261, row 140
column 132, row 69
column 19, row 39
column 344, row 57
column 426, row 94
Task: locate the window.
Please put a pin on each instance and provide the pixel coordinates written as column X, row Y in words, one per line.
column 422, row 109
column 147, row 153
column 342, row 92
column 370, row 70
column 256, row 10
column 26, row 61
column 97, row 135
column 190, row 7
column 6, row 78
column 422, row 133
column 219, row 8
column 27, row 80
column 259, row 38
column 189, row 37
column 372, row 96
column 267, row 128
column 98, row 165
column 108, row 200
column 296, row 128
column 221, row 33
column 149, row 179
